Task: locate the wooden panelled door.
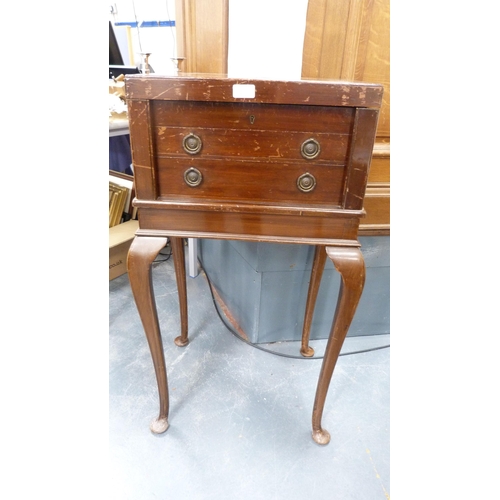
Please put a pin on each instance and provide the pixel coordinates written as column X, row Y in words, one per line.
column 202, row 35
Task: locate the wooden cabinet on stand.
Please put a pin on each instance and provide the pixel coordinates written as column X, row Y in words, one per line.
column 250, row 160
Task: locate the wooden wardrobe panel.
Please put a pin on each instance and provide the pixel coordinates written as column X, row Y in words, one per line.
column 349, row 40
column 377, row 205
column 375, row 67
column 379, row 171
column 202, row 35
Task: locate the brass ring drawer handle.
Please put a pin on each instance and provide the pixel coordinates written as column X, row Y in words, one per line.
column 310, row 149
column 192, row 144
column 306, row 182
column 193, row 177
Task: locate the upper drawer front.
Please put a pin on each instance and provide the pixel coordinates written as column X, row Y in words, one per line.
column 265, row 117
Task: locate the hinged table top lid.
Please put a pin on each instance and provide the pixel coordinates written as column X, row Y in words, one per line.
column 220, row 88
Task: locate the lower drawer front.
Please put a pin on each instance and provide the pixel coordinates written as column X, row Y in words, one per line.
column 251, row 180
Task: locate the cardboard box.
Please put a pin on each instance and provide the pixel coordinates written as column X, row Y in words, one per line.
column 120, row 239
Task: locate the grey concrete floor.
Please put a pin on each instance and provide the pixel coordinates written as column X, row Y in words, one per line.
column 240, row 418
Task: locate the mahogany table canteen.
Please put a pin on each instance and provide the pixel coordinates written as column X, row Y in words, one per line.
column 255, row 160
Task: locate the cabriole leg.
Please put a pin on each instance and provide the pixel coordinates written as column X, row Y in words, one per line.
column 180, row 276
column 312, row 293
column 350, row 264
column 143, row 251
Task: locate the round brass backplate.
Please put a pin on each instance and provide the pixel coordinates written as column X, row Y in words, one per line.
column 306, row 182
column 193, row 177
column 192, row 144
column 310, row 149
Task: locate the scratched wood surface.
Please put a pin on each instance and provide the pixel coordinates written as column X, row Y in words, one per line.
column 251, row 155
column 219, row 88
column 252, row 226
column 249, row 181
column 285, row 118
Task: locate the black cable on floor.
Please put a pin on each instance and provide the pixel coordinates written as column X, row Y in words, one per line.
column 257, row 346
column 167, row 255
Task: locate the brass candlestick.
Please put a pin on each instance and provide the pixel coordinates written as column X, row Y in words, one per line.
column 144, row 67
column 178, row 61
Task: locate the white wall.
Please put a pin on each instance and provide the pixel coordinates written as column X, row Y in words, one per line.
column 266, row 38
